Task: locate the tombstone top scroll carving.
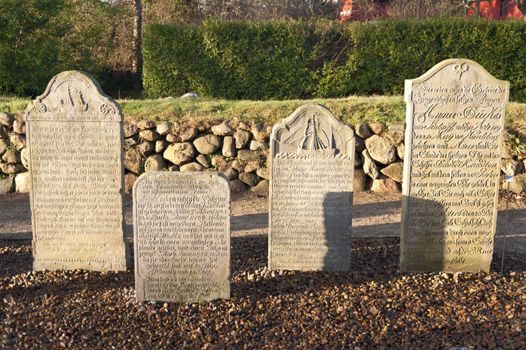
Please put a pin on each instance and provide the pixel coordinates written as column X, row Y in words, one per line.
column 459, row 77
column 73, row 96
column 312, row 129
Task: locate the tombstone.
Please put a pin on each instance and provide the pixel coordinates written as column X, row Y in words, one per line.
column 312, row 164
column 455, row 120
column 181, row 236
column 75, row 160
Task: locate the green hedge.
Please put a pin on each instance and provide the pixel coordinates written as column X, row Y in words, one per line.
column 291, row 59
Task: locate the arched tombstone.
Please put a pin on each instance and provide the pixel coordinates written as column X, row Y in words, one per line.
column 312, row 165
column 181, row 236
column 455, row 122
column 75, row 163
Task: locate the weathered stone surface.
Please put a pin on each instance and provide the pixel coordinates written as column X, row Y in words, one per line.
column 237, row 186
column 219, row 162
column 181, row 237
column 194, row 166
column 19, row 126
column 311, row 191
column 245, row 156
column 360, row 181
column 251, row 167
column 207, row 144
column 160, row 146
column 130, row 130
column 6, row 119
column 201, row 159
column 3, row 146
column 154, row 163
column 11, row 168
column 17, row 141
column 260, row 132
column 236, row 164
column 394, row 171
column 11, row 156
column 164, row 128
column 229, row 147
column 395, row 133
column 261, row 189
column 129, row 180
column 133, row 160
column 377, row 127
column 146, row 125
column 384, row 184
column 255, row 145
column 171, row 138
column 23, row 182
column 380, row 149
column 146, row 148
column 24, row 157
column 76, row 199
column 242, row 138
column 130, row 142
column 518, row 185
column 180, row 153
column 149, row 135
column 511, row 167
column 230, row 173
column 263, row 173
column 250, row 179
column 223, row 129
column 450, row 191
column 362, row 130
column 186, row 133
column 6, row 184
column 400, row 151
column 369, row 166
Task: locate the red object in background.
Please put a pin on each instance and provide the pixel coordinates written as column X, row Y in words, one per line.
column 496, row 9
column 491, row 9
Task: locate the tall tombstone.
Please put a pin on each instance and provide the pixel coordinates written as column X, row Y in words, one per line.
column 181, row 236
column 312, row 164
column 75, row 162
column 455, row 122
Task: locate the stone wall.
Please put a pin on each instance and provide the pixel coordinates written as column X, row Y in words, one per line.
column 238, row 149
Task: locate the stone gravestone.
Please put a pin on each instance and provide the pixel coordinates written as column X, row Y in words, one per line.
column 75, row 150
column 455, row 120
column 181, row 237
column 312, row 164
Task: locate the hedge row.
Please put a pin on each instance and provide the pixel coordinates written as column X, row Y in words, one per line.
column 295, row 59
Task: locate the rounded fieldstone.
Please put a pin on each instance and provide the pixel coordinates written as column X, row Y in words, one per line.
column 130, row 142
column 236, row 164
column 377, row 127
column 149, row 135
column 255, row 145
column 245, row 156
column 24, row 157
column 133, row 160
column 250, row 179
column 6, row 119
column 261, row 189
column 130, row 130
column 218, row 161
column 129, row 180
column 384, row 184
column 11, row 168
column 23, row 182
column 154, row 163
column 201, row 159
column 18, row 141
column 242, row 138
column 229, row 147
column 3, row 146
column 11, row 156
column 510, row 167
column 395, row 133
column 380, row 149
column 146, row 148
column 19, row 126
column 207, row 144
column 164, row 128
column 146, row 125
column 237, row 186
column 186, row 133
column 230, row 173
column 369, row 166
column 160, row 146
column 260, row 132
column 171, row 138
column 251, row 166
column 263, row 173
column 359, row 181
column 223, row 129
column 179, row 153
column 400, row 151
column 394, row 171
column 6, row 184
column 194, row 166
column 362, row 130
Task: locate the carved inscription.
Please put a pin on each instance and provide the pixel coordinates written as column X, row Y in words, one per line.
column 452, row 167
column 182, row 237
column 311, row 192
column 76, row 176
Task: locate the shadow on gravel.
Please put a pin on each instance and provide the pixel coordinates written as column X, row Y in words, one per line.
column 375, row 209
column 249, row 222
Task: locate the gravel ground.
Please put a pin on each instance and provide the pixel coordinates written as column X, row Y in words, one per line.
column 373, row 306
